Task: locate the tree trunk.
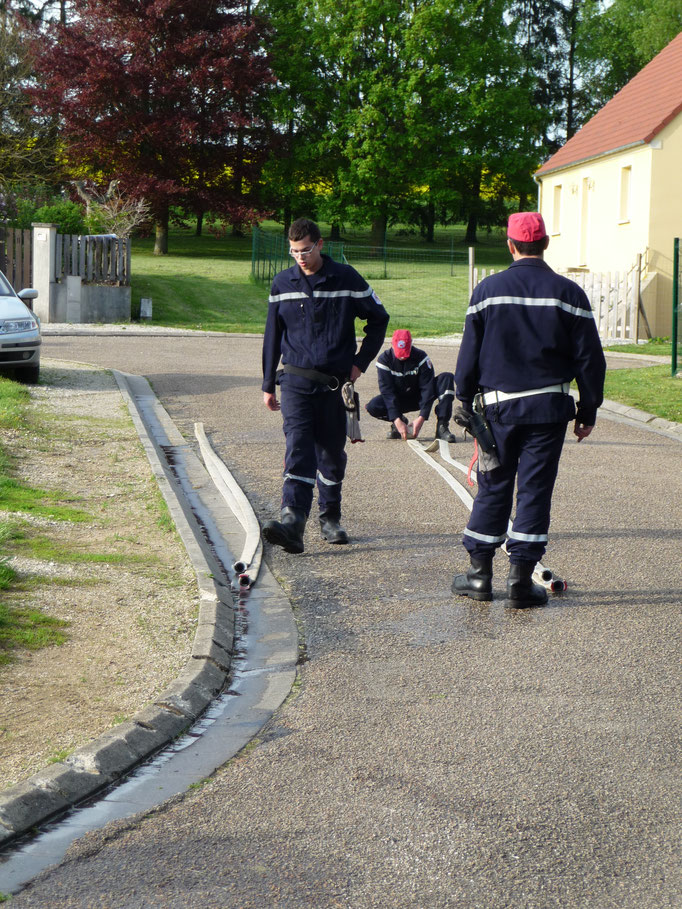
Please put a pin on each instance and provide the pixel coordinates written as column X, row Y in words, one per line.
column 238, row 179
column 335, row 235
column 472, row 224
column 474, row 199
column 430, row 222
column 378, row 231
column 200, row 224
column 161, row 238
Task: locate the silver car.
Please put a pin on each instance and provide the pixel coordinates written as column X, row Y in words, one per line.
column 19, row 333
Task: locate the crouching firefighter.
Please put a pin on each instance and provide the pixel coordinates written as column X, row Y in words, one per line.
column 311, row 328
column 528, row 333
column 408, row 382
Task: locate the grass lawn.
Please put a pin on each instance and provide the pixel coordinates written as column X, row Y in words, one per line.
column 20, row 627
column 205, row 282
column 650, row 388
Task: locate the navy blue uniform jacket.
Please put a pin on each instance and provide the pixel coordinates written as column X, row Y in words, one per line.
column 311, row 323
column 528, row 327
column 400, row 380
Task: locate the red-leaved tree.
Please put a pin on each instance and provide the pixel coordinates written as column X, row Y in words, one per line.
column 163, row 96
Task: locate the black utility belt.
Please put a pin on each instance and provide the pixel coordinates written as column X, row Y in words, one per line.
column 332, row 382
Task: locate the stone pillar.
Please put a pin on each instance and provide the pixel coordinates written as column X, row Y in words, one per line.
column 44, row 256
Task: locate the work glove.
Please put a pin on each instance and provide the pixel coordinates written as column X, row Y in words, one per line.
column 351, row 402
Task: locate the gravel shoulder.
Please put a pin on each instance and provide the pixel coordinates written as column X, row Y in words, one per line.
column 121, row 579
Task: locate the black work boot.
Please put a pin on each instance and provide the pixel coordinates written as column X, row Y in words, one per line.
column 443, row 431
column 393, row 433
column 331, row 529
column 288, row 532
column 521, row 589
column 477, row 583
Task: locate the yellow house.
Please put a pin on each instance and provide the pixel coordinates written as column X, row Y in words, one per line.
column 614, row 191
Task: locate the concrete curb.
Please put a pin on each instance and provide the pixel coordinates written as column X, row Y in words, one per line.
column 117, row 751
column 647, row 420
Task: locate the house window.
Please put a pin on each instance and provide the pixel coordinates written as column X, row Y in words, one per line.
column 556, row 210
column 625, row 180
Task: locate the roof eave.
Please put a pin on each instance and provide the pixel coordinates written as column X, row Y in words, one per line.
column 605, row 154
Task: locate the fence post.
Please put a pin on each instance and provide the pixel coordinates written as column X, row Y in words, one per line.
column 636, row 290
column 471, row 270
column 44, row 257
column 676, row 303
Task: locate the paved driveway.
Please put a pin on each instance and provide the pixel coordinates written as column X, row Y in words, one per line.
column 438, row 752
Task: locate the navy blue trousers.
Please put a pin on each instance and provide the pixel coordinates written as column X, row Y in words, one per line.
column 529, row 455
column 315, row 432
column 445, row 386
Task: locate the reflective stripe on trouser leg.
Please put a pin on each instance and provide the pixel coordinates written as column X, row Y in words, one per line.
column 300, row 462
column 445, row 386
column 330, row 444
column 486, row 529
column 537, row 471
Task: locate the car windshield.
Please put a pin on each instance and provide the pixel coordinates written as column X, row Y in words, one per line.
column 5, row 287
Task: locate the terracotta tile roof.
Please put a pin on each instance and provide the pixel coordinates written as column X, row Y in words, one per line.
column 634, row 116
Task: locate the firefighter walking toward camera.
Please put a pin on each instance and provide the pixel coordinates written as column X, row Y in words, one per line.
column 528, row 333
column 408, row 382
column 310, row 327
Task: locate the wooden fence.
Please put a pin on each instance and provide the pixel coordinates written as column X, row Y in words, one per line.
column 96, row 259
column 615, row 301
column 16, row 256
column 614, row 297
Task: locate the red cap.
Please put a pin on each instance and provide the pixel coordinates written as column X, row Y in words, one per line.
column 402, row 343
column 526, row 227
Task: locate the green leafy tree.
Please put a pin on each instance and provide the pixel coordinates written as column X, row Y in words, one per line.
column 26, row 147
column 298, row 108
column 618, row 40
column 472, row 110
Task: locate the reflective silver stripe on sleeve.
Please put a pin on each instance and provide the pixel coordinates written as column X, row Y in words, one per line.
column 400, row 375
column 484, row 538
column 326, row 481
column 528, row 537
column 448, row 391
column 292, row 476
column 356, row 294
column 276, row 298
column 531, row 301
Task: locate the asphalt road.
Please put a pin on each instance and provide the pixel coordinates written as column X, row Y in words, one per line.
column 438, row 752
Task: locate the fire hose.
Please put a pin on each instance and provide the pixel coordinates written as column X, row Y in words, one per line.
column 541, row 574
column 246, row 568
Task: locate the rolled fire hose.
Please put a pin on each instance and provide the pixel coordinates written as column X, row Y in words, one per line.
column 248, row 565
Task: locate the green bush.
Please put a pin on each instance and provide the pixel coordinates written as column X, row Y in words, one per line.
column 67, row 215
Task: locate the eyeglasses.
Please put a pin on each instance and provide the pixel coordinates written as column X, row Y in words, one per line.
column 302, row 252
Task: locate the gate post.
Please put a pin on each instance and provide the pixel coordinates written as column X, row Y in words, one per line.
column 44, row 258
